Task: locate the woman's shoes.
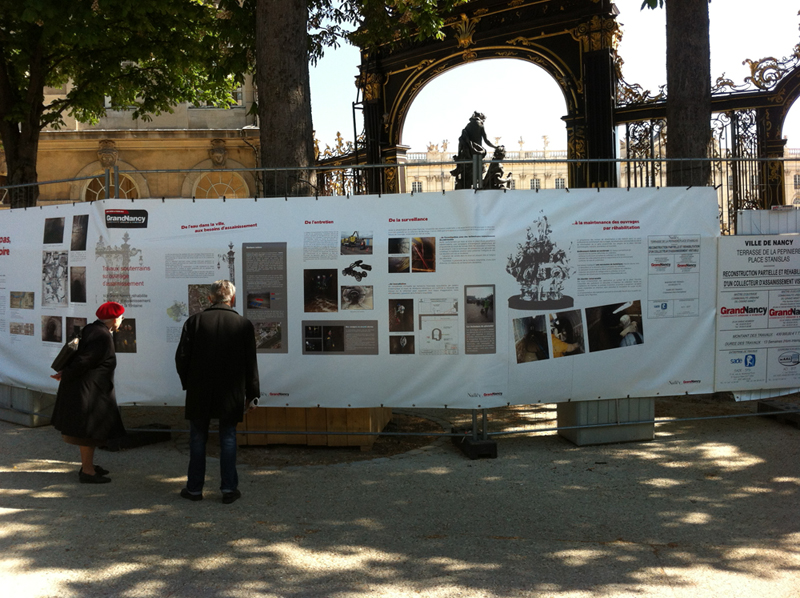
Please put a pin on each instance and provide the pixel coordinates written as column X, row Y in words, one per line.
column 97, row 478
column 98, row 469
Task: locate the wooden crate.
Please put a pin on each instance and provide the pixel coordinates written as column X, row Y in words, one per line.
column 314, row 419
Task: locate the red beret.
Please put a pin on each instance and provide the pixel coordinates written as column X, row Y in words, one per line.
column 110, row 310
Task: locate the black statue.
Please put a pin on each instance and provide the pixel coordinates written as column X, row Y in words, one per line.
column 494, row 175
column 470, row 144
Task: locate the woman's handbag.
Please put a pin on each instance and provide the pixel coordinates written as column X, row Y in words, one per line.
column 66, row 354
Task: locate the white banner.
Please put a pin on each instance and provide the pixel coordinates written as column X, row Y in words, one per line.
column 466, row 299
column 758, row 320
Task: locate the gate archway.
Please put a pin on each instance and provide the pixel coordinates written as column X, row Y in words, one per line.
column 570, row 39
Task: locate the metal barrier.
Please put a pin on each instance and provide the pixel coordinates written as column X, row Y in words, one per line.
column 741, row 183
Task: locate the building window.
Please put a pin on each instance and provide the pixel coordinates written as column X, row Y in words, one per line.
column 214, row 185
column 561, row 183
column 238, row 100
column 512, row 184
column 97, row 188
column 536, row 184
column 416, row 187
column 797, row 181
column 730, row 181
column 754, row 180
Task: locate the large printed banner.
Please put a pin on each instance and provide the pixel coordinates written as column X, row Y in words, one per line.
column 466, row 299
column 758, row 324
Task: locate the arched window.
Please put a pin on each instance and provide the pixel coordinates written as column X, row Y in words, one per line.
column 221, row 184
column 97, row 188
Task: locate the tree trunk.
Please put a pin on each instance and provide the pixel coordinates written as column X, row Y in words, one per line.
column 21, row 138
column 284, row 96
column 688, row 92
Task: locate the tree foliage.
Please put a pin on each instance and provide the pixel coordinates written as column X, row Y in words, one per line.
column 145, row 55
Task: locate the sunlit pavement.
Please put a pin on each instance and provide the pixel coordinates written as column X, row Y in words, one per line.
column 707, row 509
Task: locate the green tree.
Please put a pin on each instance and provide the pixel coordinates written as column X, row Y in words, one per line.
column 146, row 55
column 688, row 90
column 289, row 34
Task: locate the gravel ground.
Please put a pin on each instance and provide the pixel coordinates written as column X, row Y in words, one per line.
column 706, row 509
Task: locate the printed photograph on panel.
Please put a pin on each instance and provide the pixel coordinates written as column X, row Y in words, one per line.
column 530, row 339
column 21, row 328
column 198, row 298
column 358, row 297
column 480, row 304
column 332, row 338
column 423, row 254
column 401, row 315
column 321, row 289
column 401, row 345
column 614, row 326
column 438, row 334
column 80, row 228
column 77, row 284
column 54, row 278
column 74, row 327
column 399, row 265
column 21, row 299
column 125, row 337
column 53, row 231
column 312, row 338
column 399, row 245
column 259, row 300
column 566, row 333
column 357, row 243
column 358, row 270
column 268, row 335
column 52, row 329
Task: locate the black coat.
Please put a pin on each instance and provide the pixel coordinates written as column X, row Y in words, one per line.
column 86, row 405
column 216, row 361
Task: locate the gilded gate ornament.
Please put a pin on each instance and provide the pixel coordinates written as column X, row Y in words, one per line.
column 597, row 34
column 370, row 84
column 464, row 30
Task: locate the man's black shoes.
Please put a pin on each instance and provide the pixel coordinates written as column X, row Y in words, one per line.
column 189, row 496
column 229, row 497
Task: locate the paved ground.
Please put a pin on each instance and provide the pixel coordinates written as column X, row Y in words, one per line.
column 707, row 509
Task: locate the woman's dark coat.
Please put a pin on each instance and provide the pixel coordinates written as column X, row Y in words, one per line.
column 86, row 405
column 216, row 362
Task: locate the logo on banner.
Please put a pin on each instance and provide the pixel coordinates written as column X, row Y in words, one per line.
column 745, row 310
column 749, row 360
column 790, row 358
column 126, row 218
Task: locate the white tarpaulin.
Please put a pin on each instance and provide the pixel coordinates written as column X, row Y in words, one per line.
column 464, row 299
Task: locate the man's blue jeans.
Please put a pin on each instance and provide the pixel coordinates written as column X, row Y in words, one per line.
column 198, row 436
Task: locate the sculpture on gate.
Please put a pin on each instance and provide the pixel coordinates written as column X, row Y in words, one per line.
column 494, row 178
column 470, row 144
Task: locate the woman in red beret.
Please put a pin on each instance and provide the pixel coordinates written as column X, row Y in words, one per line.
column 86, row 410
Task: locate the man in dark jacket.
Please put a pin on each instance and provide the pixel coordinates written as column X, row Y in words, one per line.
column 216, row 361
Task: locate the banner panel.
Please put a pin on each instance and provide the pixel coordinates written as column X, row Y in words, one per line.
column 758, row 320
column 465, row 299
